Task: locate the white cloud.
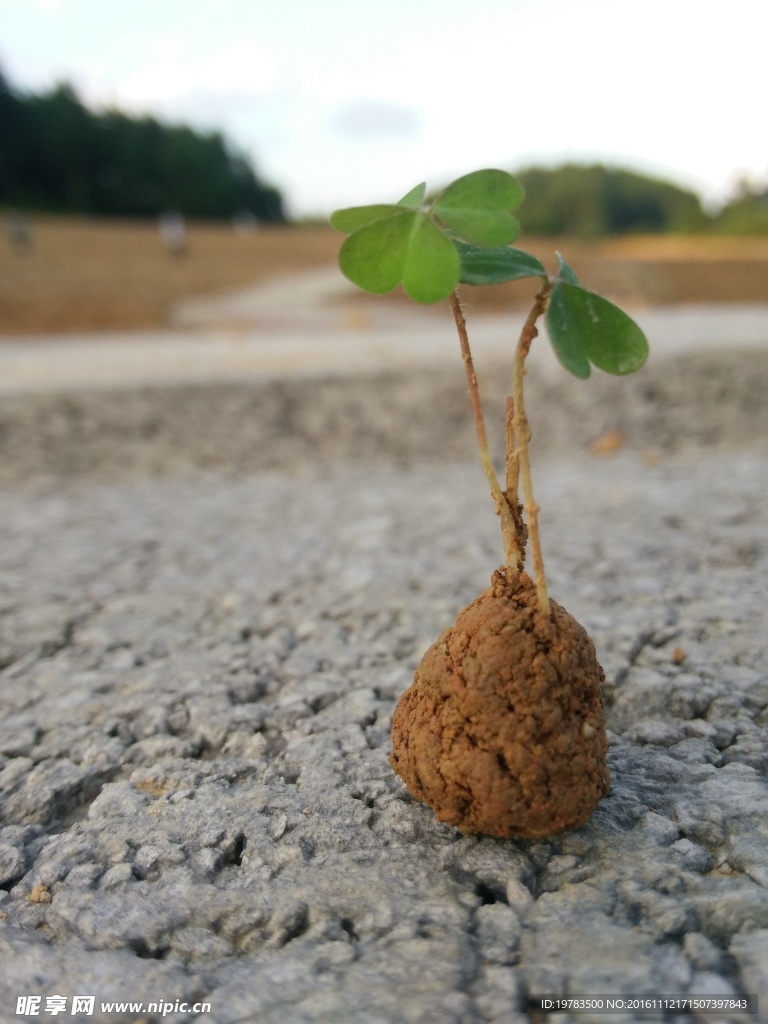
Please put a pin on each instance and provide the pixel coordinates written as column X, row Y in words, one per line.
column 47, row 6
column 242, row 68
column 365, row 119
column 168, row 45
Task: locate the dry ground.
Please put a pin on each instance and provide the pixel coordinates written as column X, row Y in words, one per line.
column 651, row 270
column 84, row 274
column 101, row 274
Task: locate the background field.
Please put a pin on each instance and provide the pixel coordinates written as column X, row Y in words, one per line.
column 83, row 275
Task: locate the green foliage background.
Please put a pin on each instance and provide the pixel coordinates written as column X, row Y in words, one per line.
column 746, row 214
column 593, row 200
column 57, row 155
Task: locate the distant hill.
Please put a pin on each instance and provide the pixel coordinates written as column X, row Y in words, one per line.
column 595, row 200
column 746, row 213
column 59, row 156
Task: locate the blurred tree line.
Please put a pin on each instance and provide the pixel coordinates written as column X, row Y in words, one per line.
column 592, row 200
column 747, row 212
column 57, row 155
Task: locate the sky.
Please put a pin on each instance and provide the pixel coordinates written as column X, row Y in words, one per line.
column 342, row 102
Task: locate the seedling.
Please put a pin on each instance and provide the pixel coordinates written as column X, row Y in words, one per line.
column 502, row 730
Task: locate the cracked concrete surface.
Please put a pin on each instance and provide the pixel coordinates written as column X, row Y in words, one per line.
column 198, row 684
column 200, row 654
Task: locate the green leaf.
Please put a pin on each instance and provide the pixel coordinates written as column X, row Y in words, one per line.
column 373, row 258
column 565, row 334
column 407, row 248
column 431, row 270
column 567, row 273
column 585, row 328
column 389, row 244
column 477, row 207
column 415, row 197
column 615, row 343
column 494, row 266
column 356, row 217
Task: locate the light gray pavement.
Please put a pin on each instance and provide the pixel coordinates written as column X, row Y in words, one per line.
column 313, row 324
column 201, row 648
column 352, row 344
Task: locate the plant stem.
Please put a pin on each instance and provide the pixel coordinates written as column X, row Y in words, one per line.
column 519, row 434
column 511, row 461
column 512, row 552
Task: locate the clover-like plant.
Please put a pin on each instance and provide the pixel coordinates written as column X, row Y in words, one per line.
column 503, row 729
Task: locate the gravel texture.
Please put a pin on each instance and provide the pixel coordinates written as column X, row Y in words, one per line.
column 200, row 659
column 714, row 399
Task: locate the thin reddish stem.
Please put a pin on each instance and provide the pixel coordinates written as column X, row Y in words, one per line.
column 512, row 552
column 519, row 432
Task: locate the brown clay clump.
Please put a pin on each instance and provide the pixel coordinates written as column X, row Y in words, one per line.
column 502, row 731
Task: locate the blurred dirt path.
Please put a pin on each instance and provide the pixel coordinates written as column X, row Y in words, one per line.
column 314, row 323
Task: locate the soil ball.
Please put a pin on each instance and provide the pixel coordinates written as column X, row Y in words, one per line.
column 502, row 731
